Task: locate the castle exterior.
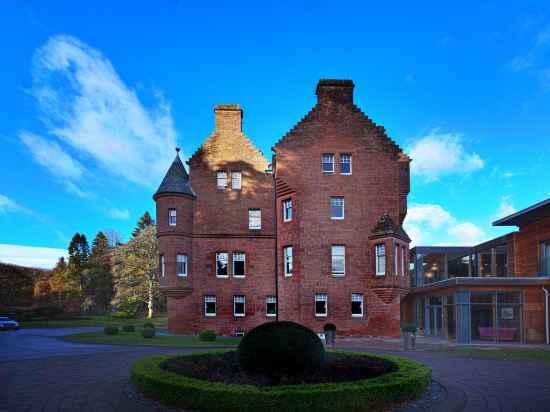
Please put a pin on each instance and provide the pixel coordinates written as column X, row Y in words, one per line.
column 314, row 236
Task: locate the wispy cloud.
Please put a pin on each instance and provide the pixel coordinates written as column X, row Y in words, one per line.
column 520, row 63
column 121, row 214
column 439, row 154
column 505, row 208
column 86, row 105
column 38, row 257
column 543, row 37
column 8, row 205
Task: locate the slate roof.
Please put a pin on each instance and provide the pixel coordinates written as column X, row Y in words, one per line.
column 176, row 180
column 387, row 227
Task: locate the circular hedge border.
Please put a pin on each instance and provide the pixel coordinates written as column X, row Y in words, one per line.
column 407, row 383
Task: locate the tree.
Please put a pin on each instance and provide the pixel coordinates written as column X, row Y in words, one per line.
column 135, row 271
column 79, row 253
column 62, row 284
column 143, row 222
column 97, row 276
column 113, row 237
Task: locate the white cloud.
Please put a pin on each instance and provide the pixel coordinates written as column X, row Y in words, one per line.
column 86, row 105
column 543, row 37
column 505, row 208
column 440, row 154
column 8, row 205
column 520, row 63
column 431, row 224
column 50, row 155
column 77, row 191
column 121, row 214
column 38, row 257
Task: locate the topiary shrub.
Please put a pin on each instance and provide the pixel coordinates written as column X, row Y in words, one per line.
column 281, row 348
column 149, row 325
column 207, row 336
column 110, row 330
column 129, row 328
column 148, row 333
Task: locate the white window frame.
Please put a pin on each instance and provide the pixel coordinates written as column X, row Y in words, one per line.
column 331, row 155
column 321, row 297
column 174, row 215
column 396, row 258
column 377, row 256
column 162, row 266
column 358, row 297
column 287, row 210
column 288, row 260
column 337, row 251
column 237, row 298
column 350, row 163
column 403, row 260
column 181, row 259
column 241, row 258
column 254, row 222
column 210, row 299
column 236, row 180
column 270, row 299
column 227, row 265
column 343, row 207
column 221, row 177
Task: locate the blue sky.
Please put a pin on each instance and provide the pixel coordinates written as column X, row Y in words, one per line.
column 96, row 95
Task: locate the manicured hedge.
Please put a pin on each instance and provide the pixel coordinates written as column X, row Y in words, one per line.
column 207, row 336
column 408, row 382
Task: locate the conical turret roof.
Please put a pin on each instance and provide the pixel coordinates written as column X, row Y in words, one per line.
column 176, row 180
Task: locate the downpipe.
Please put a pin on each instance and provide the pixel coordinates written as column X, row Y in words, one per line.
column 546, row 314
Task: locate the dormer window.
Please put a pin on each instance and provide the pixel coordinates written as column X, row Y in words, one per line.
column 221, row 179
column 327, row 163
column 172, row 217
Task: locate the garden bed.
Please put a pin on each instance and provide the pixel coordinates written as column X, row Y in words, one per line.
column 354, row 382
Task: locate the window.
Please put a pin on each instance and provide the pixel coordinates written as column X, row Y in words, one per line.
column 337, row 208
column 396, row 259
column 236, row 180
column 357, row 305
column 287, row 252
column 221, row 179
column 380, row 260
column 545, row 258
column 254, row 219
column 338, row 260
column 321, row 300
column 403, row 260
column 287, row 210
column 172, row 217
column 238, row 305
column 270, row 306
column 221, row 264
column 181, row 265
column 328, row 163
column 345, row 164
column 210, row 305
column 162, row 266
column 239, row 260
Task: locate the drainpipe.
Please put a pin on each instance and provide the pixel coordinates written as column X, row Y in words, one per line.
column 546, row 314
column 276, row 263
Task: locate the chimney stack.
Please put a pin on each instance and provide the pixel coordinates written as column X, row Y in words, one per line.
column 330, row 91
column 229, row 117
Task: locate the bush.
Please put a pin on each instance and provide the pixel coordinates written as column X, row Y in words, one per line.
column 409, row 381
column 121, row 314
column 148, row 333
column 207, row 336
column 110, row 330
column 409, row 327
column 149, row 325
column 129, row 328
column 281, row 348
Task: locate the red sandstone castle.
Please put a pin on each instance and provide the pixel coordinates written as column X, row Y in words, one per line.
column 314, row 237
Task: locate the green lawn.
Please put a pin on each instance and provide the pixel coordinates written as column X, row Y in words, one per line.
column 540, row 355
column 104, row 320
column 135, row 338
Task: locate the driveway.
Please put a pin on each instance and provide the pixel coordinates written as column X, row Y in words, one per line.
column 39, row 372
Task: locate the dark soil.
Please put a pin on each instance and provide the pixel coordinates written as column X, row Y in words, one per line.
column 226, row 368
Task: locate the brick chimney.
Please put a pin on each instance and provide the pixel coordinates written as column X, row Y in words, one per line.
column 229, row 117
column 334, row 91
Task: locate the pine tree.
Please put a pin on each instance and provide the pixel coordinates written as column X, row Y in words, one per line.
column 143, row 222
column 98, row 279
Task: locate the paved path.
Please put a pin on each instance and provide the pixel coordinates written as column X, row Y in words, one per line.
column 39, row 372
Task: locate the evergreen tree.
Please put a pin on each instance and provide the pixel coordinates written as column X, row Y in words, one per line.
column 98, row 280
column 79, row 253
column 62, row 284
column 143, row 222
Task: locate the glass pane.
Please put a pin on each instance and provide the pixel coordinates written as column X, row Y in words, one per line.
column 509, row 297
column 458, row 267
column 485, row 263
column 238, row 267
column 320, row 307
column 509, row 324
column 221, row 264
column 483, row 327
column 482, row 297
column 433, row 267
column 501, row 259
column 450, row 321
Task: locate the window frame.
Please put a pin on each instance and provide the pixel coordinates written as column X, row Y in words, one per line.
column 287, row 217
column 544, row 266
column 205, row 301
column 235, row 314
column 233, row 260
column 185, row 262
column 343, row 207
column 377, row 257
column 240, row 180
column 286, row 256
column 350, row 164
column 250, row 227
column 273, row 299
column 403, row 259
column 333, row 255
column 162, row 266
column 227, row 265
column 170, row 216
column 328, row 172
column 362, row 300
column 321, row 297
column 396, row 258
column 218, row 173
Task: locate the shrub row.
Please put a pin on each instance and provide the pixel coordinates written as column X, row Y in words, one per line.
column 207, row 336
column 408, row 382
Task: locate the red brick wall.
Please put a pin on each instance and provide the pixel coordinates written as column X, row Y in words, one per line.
column 527, row 245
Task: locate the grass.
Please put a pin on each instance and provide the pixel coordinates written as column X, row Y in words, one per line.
column 99, row 320
column 135, row 338
column 539, row 355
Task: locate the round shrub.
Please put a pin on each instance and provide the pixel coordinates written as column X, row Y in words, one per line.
column 281, row 348
column 149, row 325
column 207, row 336
column 110, row 330
column 148, row 333
column 129, row 328
column 121, row 314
